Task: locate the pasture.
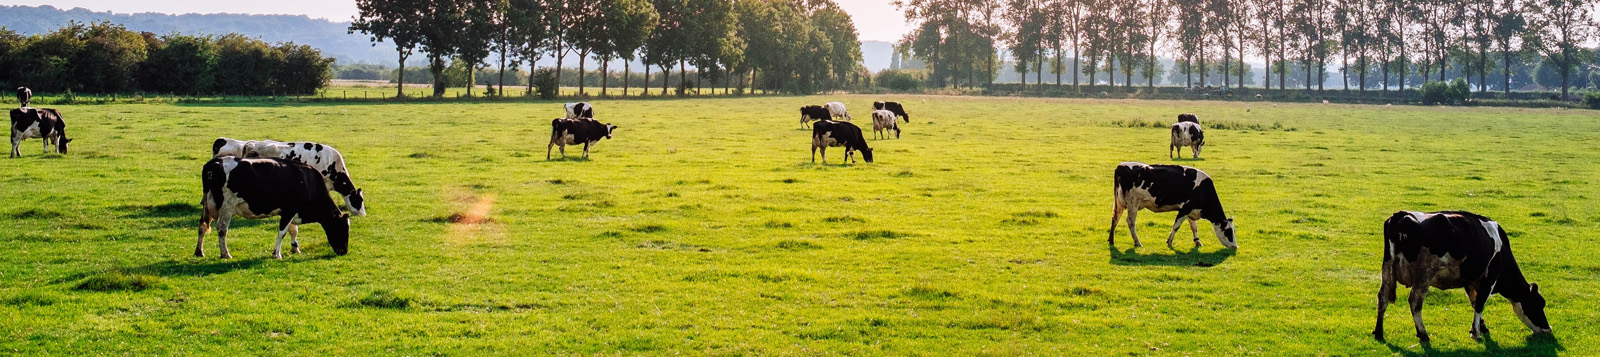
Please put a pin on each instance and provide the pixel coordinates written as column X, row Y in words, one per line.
column 703, row 228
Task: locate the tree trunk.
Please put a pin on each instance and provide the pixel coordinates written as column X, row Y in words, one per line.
column 605, row 77
column 1507, row 62
column 646, row 87
column 436, row 65
column 627, row 76
column 683, row 75
column 401, row 91
column 583, row 60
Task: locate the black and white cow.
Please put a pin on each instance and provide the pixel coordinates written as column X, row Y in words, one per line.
column 813, row 112
column 882, row 123
column 38, row 123
column 260, row 188
column 838, row 133
column 895, row 107
column 1451, row 250
column 1189, row 118
column 579, row 110
column 1166, row 188
column 565, row 132
column 24, row 95
column 1186, row 134
column 324, row 158
column 836, row 110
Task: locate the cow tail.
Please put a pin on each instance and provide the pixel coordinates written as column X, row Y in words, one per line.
column 212, row 180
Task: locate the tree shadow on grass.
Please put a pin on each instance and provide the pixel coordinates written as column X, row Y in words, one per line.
column 1543, row 344
column 1194, row 258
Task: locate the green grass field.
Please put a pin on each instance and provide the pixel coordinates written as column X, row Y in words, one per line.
column 703, row 228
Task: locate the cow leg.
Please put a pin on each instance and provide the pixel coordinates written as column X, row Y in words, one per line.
column 1170, row 149
column 547, row 149
column 46, row 148
column 1385, row 296
column 1116, row 213
column 284, row 222
column 1194, row 228
column 1195, row 150
column 14, row 144
column 1133, row 230
column 294, row 238
column 1419, row 291
column 814, row 154
column 1175, row 225
column 1479, row 295
column 205, row 227
column 585, row 150
column 222, row 236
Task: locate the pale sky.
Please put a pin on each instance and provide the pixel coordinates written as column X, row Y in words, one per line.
column 875, row 19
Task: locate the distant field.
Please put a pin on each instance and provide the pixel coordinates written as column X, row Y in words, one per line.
column 703, row 228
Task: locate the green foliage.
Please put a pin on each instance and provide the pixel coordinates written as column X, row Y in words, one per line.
column 1453, row 93
column 901, row 80
column 107, row 58
column 545, row 84
column 1592, row 99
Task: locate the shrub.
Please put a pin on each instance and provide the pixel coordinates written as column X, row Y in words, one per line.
column 545, row 84
column 1434, row 93
column 900, row 80
column 1592, row 100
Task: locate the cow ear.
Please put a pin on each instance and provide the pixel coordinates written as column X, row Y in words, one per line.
column 1534, row 287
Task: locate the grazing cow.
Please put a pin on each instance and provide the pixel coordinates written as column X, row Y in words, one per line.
column 24, row 95
column 899, row 111
column 1186, row 134
column 837, row 133
column 1165, row 188
column 1186, row 117
column 580, row 110
column 813, row 112
column 327, row 160
column 836, row 109
column 565, row 132
column 882, row 123
column 38, row 123
column 1451, row 250
column 260, row 188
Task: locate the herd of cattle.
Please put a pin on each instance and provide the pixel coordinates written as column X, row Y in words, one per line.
column 291, row 180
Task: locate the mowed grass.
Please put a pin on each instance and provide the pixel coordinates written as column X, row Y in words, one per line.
column 704, row 228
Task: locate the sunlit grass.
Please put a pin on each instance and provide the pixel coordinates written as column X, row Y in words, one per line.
column 703, row 228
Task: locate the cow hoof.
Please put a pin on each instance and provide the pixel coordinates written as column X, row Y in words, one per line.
column 1138, row 245
column 198, row 254
column 226, row 256
column 1378, row 335
column 296, row 250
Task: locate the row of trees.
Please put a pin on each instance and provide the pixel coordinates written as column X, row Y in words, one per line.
column 1402, row 38
column 796, row 46
column 103, row 57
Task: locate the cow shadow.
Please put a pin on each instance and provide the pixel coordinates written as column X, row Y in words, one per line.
column 567, row 159
column 1534, row 345
column 1185, row 159
column 1194, row 258
column 210, row 266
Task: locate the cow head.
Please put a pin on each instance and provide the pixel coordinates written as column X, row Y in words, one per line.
column 357, row 202
column 1225, row 233
column 609, row 129
column 866, row 154
column 338, row 230
column 62, row 145
column 1531, row 310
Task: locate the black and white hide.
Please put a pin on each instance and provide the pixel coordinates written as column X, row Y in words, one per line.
column 327, row 160
column 261, row 188
column 24, row 96
column 882, row 123
column 579, row 110
column 1454, row 250
column 828, row 133
column 1166, row 188
column 38, row 123
column 565, row 132
column 836, row 110
column 894, row 107
column 813, row 112
column 1186, row 134
column 1188, row 118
